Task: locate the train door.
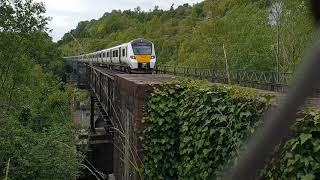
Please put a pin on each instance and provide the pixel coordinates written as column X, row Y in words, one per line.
column 119, row 55
column 108, row 57
column 111, row 55
column 124, row 54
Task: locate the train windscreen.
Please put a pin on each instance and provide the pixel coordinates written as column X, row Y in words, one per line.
column 142, row 48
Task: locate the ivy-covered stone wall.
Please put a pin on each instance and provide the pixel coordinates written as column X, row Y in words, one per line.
column 193, row 130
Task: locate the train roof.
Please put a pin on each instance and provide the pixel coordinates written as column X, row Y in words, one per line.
column 114, row 47
column 140, row 39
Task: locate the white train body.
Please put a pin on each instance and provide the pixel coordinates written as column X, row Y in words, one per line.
column 137, row 54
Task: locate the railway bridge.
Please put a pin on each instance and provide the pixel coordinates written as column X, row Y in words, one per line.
column 117, row 102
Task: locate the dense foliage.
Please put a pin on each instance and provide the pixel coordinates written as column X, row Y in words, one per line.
column 256, row 35
column 37, row 136
column 298, row 158
column 194, row 130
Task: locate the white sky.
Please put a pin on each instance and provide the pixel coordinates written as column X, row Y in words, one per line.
column 67, row 13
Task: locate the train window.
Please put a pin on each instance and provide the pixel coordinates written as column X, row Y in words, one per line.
column 123, row 52
column 142, row 47
column 108, row 54
column 116, row 53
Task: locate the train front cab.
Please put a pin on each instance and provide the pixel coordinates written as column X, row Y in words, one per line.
column 143, row 54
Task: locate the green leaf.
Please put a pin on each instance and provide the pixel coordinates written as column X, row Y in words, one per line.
column 316, row 145
column 171, row 91
column 185, row 128
column 200, row 143
column 206, row 151
column 295, row 145
column 304, row 137
column 308, row 177
column 222, row 132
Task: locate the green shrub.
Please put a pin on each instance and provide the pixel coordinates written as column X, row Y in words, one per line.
column 299, row 157
column 46, row 155
column 39, row 138
column 194, row 129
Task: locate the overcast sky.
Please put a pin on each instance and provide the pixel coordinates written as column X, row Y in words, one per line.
column 67, row 13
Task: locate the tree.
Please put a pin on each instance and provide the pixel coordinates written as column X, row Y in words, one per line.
column 36, row 134
column 294, row 28
column 19, row 21
column 137, row 9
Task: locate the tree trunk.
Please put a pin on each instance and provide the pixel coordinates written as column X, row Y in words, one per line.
column 227, row 65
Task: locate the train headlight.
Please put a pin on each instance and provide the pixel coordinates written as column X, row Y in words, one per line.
column 153, row 57
column 133, row 57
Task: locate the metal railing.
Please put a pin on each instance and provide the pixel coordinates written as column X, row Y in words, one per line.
column 266, row 80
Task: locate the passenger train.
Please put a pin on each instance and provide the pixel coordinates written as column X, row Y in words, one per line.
column 138, row 54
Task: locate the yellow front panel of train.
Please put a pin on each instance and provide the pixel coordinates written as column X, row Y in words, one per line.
column 143, row 58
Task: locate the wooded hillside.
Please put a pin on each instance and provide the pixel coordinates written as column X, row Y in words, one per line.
column 268, row 35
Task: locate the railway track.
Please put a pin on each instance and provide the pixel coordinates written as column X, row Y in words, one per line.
column 118, row 71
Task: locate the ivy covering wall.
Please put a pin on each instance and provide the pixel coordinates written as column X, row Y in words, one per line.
column 299, row 157
column 195, row 129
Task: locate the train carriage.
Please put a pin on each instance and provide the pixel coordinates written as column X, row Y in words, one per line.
column 138, row 54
